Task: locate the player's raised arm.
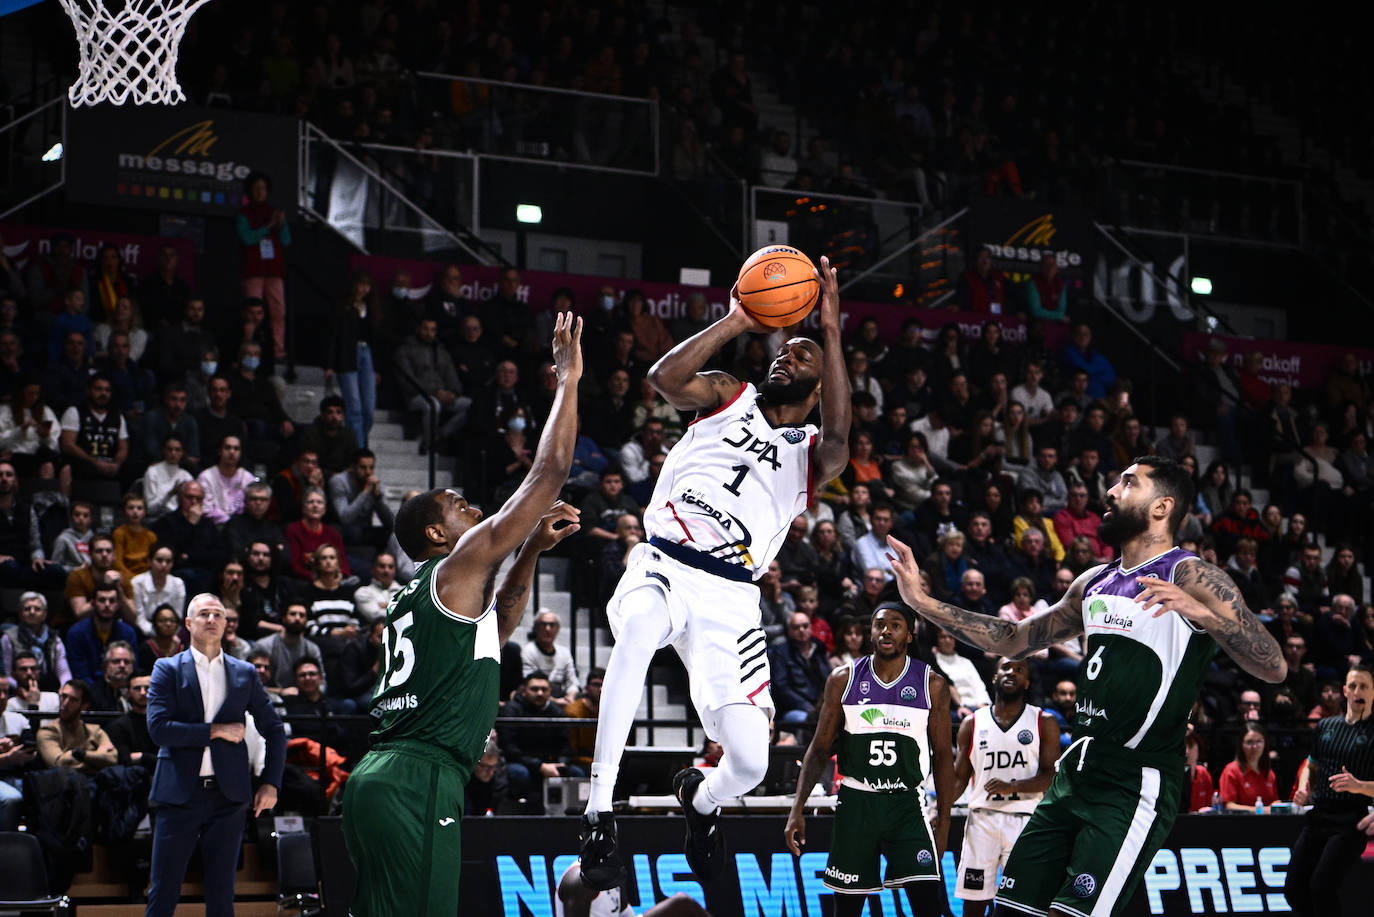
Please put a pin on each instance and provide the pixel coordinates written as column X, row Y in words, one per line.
column 677, row 375
column 1209, row 598
column 1015, row 640
column 512, row 593
column 492, row 539
column 832, row 443
column 941, row 761
column 817, row 755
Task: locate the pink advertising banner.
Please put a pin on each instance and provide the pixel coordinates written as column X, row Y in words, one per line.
column 25, row 242
column 669, row 300
column 1300, row 365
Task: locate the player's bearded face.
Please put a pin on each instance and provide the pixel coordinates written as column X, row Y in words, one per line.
column 787, row 389
column 1122, row 523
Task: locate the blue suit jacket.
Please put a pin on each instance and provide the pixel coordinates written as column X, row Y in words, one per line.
column 176, row 722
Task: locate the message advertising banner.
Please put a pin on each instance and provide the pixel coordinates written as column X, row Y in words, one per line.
column 1209, row 865
column 24, row 242
column 1298, row 364
column 179, row 158
column 1021, row 233
column 669, row 300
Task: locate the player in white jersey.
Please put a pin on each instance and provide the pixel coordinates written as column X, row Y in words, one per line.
column 725, row 498
column 574, row 899
column 1008, row 751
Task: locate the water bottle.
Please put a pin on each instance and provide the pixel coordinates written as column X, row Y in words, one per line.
column 1259, row 805
column 1216, row 802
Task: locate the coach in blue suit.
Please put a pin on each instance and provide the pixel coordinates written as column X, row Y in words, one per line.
column 202, row 786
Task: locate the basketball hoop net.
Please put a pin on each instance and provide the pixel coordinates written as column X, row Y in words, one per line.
column 129, row 52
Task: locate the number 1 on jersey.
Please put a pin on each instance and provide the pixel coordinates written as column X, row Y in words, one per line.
column 740, row 471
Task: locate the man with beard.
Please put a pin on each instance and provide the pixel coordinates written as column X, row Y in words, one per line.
column 1008, row 751
column 1154, row 618
column 727, row 494
column 94, row 436
column 887, row 715
column 289, row 645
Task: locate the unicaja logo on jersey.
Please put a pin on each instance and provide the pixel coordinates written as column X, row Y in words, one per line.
column 1084, row 885
column 872, row 714
column 1110, row 620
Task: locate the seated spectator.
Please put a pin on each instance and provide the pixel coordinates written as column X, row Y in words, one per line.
column 589, row 461
column 833, row 569
column 289, row 486
column 611, row 422
column 1030, row 517
column 263, row 597
column 196, row 547
column 534, row 753
column 95, row 438
column 329, row 437
column 225, row 483
column 84, row 581
column 161, row 479
column 1092, row 434
column 983, row 554
column 70, row 743
column 29, row 695
column 1178, row 442
column 797, row 558
column 129, row 733
column 29, row 430
column 15, row 758
column 799, row 669
column 215, row 421
column 171, row 419
column 966, row 684
column 1288, row 621
column 1031, row 559
column 165, row 640
column 1197, row 779
column 133, row 543
column 871, row 550
column 158, row 586
column 946, row 565
column 912, row 476
column 1342, row 575
column 615, row 556
column 488, row 790
column 587, row 706
column 474, row 360
column 1249, row 779
column 428, row 379
column 253, row 524
column 87, row 638
column 357, row 671
column 1043, row 475
column 776, row 607
column 634, row 455
column 288, row 645
column 356, row 496
column 31, row 634
column 1239, row 521
column 601, row 510
column 108, row 689
column 329, row 600
column 1085, row 470
column 1080, row 355
column 1245, row 572
column 370, row 602
column 66, row 379
column 71, row 320
column 23, row 563
column 310, row 532
column 1075, row 520
column 309, row 708
column 1306, row 581
column 542, row 654
column 180, row 346
column 254, row 398
column 231, row 642
column 1339, row 643
column 851, row 641
column 1301, row 679
column 72, row 549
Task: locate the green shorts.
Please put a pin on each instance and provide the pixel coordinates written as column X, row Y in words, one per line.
column 867, row 824
column 1092, row 837
column 402, row 821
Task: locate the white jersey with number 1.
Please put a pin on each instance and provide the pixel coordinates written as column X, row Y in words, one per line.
column 733, row 484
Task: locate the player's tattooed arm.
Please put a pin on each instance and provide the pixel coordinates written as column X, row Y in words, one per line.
column 817, row 755
column 512, row 596
column 1016, row 640
column 1206, row 596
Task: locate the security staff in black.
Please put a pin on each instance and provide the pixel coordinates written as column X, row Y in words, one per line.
column 1338, row 781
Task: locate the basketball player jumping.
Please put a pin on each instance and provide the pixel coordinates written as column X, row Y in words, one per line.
column 889, row 715
column 1008, row 751
column 440, row 666
column 1154, row 618
column 728, row 492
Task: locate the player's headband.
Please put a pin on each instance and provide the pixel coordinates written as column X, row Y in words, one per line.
column 903, row 609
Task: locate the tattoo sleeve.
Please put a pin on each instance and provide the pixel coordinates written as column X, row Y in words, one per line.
column 1016, row 640
column 1234, row 627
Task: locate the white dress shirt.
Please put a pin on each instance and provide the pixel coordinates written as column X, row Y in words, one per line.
column 212, row 689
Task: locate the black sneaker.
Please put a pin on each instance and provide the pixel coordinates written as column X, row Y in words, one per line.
column 599, row 858
column 705, row 846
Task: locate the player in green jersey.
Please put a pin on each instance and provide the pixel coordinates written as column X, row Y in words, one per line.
column 439, row 668
column 888, row 715
column 1153, row 618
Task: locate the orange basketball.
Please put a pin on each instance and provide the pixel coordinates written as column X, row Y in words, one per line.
column 778, row 285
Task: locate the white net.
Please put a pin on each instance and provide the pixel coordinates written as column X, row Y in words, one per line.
column 129, row 50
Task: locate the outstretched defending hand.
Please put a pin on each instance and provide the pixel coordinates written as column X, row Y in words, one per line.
column 830, row 295
column 567, row 347
column 907, row 572
column 545, row 534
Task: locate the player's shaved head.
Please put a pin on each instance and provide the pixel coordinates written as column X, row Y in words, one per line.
column 413, row 520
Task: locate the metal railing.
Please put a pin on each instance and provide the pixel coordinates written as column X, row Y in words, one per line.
column 524, row 122
column 24, row 174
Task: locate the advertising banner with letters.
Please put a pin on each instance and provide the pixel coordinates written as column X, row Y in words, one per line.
column 1300, row 365
column 669, row 300
column 24, row 242
column 1209, row 865
column 181, row 158
column 1021, row 233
